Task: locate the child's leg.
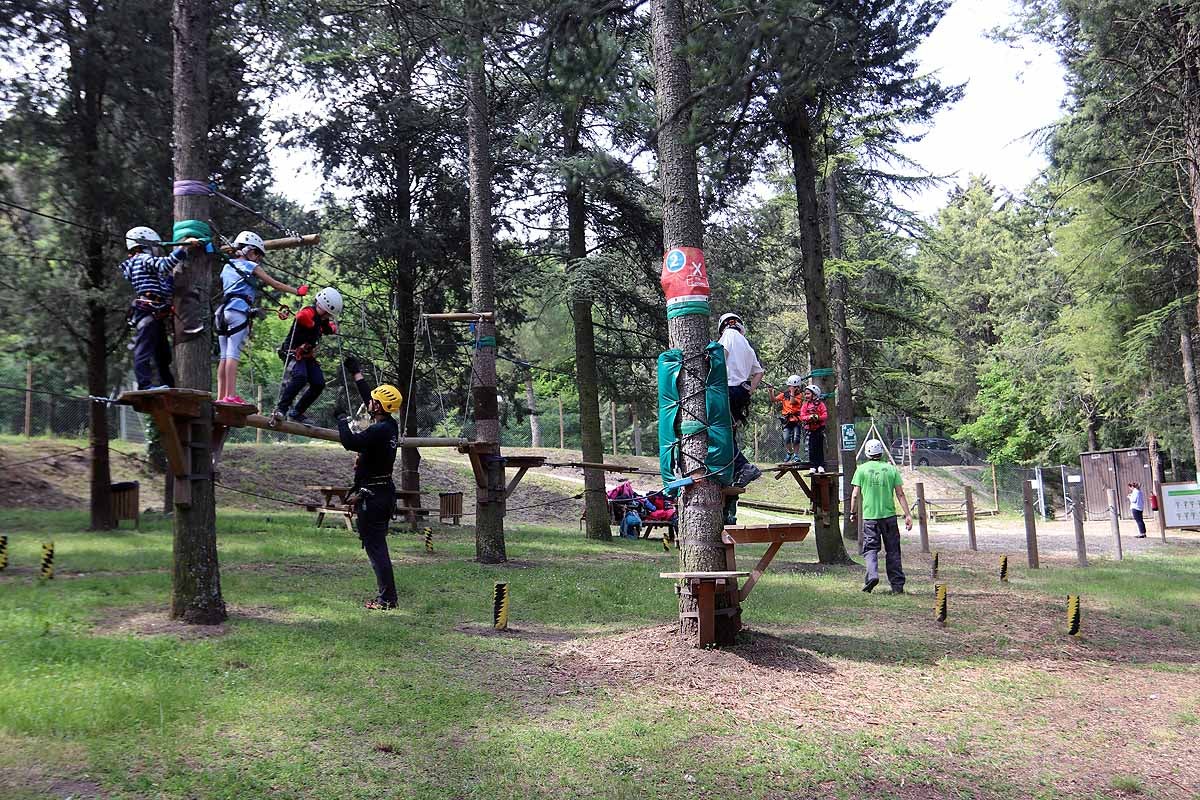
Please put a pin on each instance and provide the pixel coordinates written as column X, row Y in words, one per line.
column 816, row 448
column 144, row 351
column 162, row 351
column 294, row 378
column 316, row 385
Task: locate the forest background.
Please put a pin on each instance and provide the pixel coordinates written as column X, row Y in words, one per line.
column 1031, row 326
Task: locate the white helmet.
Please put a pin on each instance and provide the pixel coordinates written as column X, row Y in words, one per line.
column 726, row 318
column 794, row 380
column 141, row 236
column 873, row 448
column 330, row 301
column 812, row 387
column 250, row 239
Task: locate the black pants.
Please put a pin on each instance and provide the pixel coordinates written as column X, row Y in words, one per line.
column 885, row 532
column 1141, row 523
column 374, row 515
column 816, row 448
column 151, row 351
column 296, row 375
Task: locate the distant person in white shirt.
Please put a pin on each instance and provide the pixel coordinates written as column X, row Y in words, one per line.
column 1137, row 504
column 744, row 374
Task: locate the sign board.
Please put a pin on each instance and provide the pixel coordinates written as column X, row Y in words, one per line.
column 1181, row 504
column 849, row 437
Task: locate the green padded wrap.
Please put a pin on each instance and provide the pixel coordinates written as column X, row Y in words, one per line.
column 688, row 308
column 719, row 458
column 191, row 228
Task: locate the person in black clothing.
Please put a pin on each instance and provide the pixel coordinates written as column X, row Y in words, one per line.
column 374, row 490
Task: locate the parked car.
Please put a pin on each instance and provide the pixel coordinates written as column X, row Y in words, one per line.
column 934, row 452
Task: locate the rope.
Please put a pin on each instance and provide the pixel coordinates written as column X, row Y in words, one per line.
column 433, row 364
column 262, row 496
column 46, row 458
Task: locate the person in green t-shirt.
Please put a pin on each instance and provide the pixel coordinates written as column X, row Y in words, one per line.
column 874, row 483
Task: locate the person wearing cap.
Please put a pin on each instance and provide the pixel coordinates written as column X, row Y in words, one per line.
column 374, row 492
column 152, row 276
column 743, row 373
column 878, row 485
column 242, row 278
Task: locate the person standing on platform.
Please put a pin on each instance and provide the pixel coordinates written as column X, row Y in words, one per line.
column 374, row 492
column 744, row 374
column 877, row 487
column 814, row 414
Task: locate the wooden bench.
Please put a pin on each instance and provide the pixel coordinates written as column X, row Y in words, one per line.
column 345, row 512
column 705, row 586
column 774, row 535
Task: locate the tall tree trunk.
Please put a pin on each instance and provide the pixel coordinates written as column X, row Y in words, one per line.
column 798, row 131
column 700, row 512
column 535, row 422
column 404, row 291
column 1191, row 389
column 840, row 296
column 1189, row 64
column 489, row 499
column 196, row 587
column 587, row 374
column 1093, row 429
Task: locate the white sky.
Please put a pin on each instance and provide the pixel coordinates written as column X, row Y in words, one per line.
column 1010, row 92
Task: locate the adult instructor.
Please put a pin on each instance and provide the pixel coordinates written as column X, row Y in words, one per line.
column 874, row 483
column 744, row 374
column 374, row 492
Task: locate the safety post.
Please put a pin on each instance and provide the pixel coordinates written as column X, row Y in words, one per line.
column 1004, row 569
column 933, row 569
column 1073, row 615
column 922, row 517
column 428, row 540
column 47, row 570
column 941, row 604
column 1075, row 489
column 3, row 553
column 1031, row 543
column 500, row 607
column 971, row 543
column 1114, row 522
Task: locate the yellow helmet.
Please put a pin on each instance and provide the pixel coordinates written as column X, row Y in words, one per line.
column 388, row 396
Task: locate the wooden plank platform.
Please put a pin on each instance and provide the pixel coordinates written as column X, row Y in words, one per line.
column 760, row 534
column 605, row 467
column 703, row 576
column 763, row 506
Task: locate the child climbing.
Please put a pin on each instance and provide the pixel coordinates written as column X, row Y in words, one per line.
column 242, row 279
column 791, row 401
column 152, row 276
column 299, row 354
column 814, row 414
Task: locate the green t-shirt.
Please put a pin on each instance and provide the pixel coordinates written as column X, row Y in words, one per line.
column 877, row 481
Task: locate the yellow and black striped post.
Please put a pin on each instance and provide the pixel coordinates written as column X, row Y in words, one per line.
column 1004, row 569
column 428, row 539
column 666, row 544
column 1072, row 615
column 934, row 569
column 500, row 607
column 48, row 561
column 941, row 604
column 3, row 553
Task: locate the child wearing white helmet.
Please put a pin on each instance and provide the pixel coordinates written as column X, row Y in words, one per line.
column 242, row 278
column 152, row 276
column 814, row 414
column 791, row 402
column 299, row 354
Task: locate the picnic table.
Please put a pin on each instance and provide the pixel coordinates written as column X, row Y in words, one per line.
column 408, row 504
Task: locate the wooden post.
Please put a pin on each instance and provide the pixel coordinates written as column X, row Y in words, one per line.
column 28, row 399
column 612, row 416
column 1075, row 488
column 196, row 582
column 922, row 517
column 756, row 456
column 562, row 440
column 1160, row 515
column 636, row 429
column 258, row 431
column 908, row 450
column 995, row 490
column 1114, row 521
column 1155, row 484
column 1031, row 543
column 971, row 543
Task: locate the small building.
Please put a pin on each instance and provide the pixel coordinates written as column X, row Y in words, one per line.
column 1114, row 469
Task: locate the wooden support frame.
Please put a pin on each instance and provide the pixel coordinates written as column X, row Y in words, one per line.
column 774, row 535
column 703, row 586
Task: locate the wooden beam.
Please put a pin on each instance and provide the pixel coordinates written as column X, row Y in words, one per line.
column 287, row 243
column 462, row 316
column 512, row 485
column 759, row 569
column 330, row 435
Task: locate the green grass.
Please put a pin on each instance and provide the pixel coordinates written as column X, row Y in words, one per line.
column 308, row 696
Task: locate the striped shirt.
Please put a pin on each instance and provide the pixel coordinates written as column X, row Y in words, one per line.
column 150, row 275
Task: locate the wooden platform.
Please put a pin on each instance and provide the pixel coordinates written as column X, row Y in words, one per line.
column 704, row 586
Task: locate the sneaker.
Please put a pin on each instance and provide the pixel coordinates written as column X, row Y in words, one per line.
column 236, row 398
column 820, row 470
column 375, row 604
column 158, row 388
column 303, row 419
column 746, row 475
column 870, row 585
column 897, row 591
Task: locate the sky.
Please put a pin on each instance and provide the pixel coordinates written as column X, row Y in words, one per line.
column 1010, row 93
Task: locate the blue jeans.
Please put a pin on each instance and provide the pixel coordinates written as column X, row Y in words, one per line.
column 297, row 375
column 151, row 350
